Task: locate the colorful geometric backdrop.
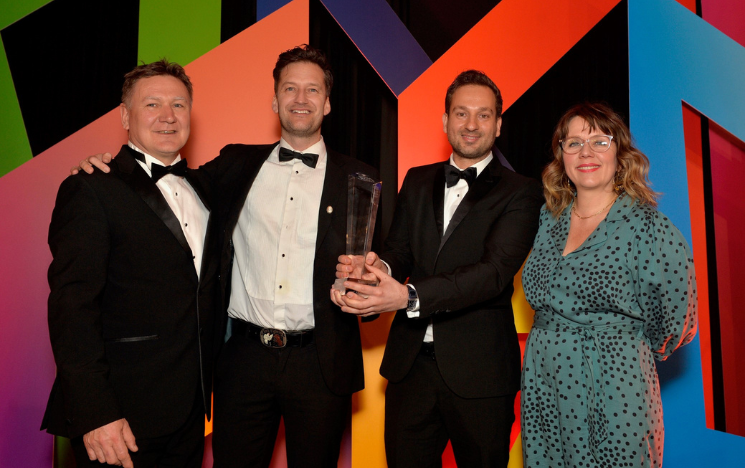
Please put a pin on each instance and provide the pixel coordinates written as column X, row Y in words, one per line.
column 674, row 68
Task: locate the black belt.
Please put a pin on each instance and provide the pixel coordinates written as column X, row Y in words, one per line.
column 428, row 349
column 273, row 337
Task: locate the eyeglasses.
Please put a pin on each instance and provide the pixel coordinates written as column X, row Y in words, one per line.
column 598, row 144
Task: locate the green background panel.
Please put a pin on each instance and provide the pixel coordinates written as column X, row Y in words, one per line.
column 14, row 145
column 13, row 10
column 179, row 30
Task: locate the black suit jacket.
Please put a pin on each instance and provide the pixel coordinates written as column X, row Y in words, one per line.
column 463, row 276
column 336, row 334
column 131, row 324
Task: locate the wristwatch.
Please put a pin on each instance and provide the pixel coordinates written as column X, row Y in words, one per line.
column 413, row 298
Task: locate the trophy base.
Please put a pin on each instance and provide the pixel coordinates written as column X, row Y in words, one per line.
column 339, row 285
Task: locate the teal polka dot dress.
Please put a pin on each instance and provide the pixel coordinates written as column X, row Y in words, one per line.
column 590, row 393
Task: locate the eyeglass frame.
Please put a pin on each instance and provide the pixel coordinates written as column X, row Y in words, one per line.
column 582, row 145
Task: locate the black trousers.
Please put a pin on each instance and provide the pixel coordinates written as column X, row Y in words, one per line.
column 255, row 386
column 422, row 414
column 182, row 449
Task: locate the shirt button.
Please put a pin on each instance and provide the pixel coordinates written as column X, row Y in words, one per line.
column 280, row 286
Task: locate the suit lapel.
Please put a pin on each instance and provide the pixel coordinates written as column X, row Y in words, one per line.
column 478, row 189
column 334, row 196
column 438, row 200
column 133, row 175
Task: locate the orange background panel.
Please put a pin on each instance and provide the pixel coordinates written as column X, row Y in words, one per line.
column 513, row 45
column 233, row 84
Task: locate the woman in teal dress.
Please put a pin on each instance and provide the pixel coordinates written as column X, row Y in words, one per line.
column 613, row 287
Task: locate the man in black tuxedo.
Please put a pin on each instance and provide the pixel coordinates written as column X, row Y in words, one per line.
column 292, row 353
column 133, row 292
column 460, row 233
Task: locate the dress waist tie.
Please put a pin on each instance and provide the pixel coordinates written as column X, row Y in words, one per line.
column 592, row 372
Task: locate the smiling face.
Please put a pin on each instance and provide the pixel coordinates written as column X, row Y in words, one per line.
column 472, row 124
column 301, row 101
column 589, row 170
column 158, row 116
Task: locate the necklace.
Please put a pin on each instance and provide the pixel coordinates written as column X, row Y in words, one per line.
column 574, row 210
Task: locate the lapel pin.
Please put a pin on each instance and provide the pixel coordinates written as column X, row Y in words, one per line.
column 329, row 209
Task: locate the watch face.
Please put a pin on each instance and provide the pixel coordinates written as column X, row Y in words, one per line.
column 413, row 296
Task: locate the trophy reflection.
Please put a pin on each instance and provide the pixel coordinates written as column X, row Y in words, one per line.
column 362, row 208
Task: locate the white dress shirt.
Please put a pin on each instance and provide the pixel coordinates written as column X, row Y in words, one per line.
column 185, row 204
column 453, row 196
column 275, row 243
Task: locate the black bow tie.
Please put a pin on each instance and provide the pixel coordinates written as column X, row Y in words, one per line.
column 453, row 175
column 309, row 159
column 157, row 171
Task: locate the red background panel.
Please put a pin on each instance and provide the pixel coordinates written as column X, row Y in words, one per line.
column 728, row 169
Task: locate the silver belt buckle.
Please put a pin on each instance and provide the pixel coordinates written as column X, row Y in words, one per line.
column 273, row 338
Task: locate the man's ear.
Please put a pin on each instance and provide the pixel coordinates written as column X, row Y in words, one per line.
column 499, row 126
column 445, row 122
column 124, row 112
column 327, row 106
column 275, row 105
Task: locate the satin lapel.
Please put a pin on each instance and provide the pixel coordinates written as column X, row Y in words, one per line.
column 250, row 169
column 480, row 187
column 135, row 177
column 438, row 199
column 334, row 196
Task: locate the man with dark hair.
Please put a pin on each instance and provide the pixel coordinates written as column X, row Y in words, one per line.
column 292, row 353
column 460, row 232
column 132, row 302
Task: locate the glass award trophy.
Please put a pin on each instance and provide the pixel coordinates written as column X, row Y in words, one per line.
column 362, row 208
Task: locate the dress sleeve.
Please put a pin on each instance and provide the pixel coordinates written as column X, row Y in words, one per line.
column 666, row 285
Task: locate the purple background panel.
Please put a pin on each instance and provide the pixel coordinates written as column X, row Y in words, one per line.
column 265, row 8
column 382, row 38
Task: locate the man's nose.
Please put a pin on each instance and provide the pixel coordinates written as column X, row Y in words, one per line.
column 167, row 114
